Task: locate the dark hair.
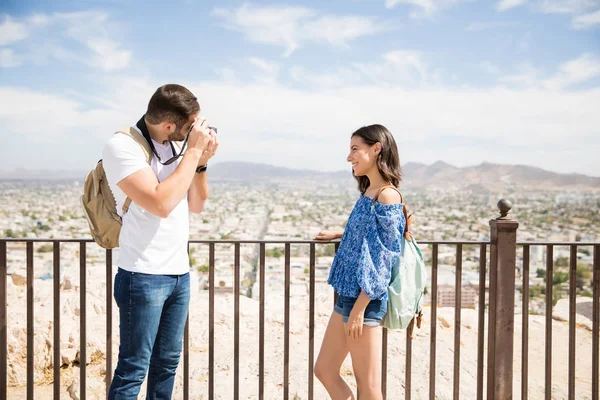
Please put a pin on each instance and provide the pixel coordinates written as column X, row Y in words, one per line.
column 172, row 103
column 388, row 162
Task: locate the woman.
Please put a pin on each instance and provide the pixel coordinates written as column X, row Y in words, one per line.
column 360, row 272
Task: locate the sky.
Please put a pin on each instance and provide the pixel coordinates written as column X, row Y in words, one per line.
column 286, row 83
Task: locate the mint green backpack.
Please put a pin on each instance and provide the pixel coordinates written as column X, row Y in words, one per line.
column 407, row 284
column 407, row 289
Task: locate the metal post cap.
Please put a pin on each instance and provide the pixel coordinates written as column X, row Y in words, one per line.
column 504, row 206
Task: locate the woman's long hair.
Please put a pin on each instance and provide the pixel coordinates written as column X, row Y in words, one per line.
column 388, row 161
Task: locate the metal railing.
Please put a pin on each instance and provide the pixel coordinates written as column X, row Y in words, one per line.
column 502, row 249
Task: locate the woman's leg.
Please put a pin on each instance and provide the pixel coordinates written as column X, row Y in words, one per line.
column 366, row 362
column 334, row 350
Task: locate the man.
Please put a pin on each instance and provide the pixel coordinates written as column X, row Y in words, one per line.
column 152, row 285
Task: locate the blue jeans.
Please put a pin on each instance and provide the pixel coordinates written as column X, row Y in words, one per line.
column 152, row 311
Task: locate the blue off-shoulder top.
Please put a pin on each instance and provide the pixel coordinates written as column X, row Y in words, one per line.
column 370, row 245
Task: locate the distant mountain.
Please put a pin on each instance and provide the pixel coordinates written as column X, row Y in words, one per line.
column 42, row 174
column 488, row 177
column 480, row 178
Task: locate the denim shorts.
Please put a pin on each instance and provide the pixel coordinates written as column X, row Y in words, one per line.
column 374, row 312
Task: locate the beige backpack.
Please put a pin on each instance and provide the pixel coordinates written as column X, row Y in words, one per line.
column 98, row 201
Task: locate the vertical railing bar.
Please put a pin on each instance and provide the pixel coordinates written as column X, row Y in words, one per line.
column 481, row 319
column 525, row 323
column 549, row 276
column 108, row 319
column 493, row 289
column 433, row 335
column 335, row 294
column 457, row 321
column 384, row 351
column 408, row 368
column 56, row 322
column 211, row 321
column 261, row 328
column 572, row 310
column 186, row 351
column 596, row 323
column 286, row 323
column 3, row 322
column 186, row 358
column 236, row 324
column 82, row 320
column 30, row 325
column 311, row 323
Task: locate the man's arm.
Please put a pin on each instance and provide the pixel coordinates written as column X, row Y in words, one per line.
column 198, row 192
column 160, row 198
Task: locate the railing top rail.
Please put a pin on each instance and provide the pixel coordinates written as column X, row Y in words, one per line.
column 554, row 243
column 276, row 241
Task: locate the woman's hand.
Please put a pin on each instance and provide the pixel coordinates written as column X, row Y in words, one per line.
column 328, row 235
column 354, row 326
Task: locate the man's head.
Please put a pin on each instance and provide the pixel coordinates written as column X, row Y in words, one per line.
column 173, row 108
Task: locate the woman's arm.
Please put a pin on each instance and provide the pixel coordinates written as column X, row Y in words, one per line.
column 329, row 235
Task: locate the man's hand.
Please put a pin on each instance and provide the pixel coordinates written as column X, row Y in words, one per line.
column 211, row 149
column 200, row 135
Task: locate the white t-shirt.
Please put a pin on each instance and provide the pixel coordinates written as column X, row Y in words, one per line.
column 148, row 244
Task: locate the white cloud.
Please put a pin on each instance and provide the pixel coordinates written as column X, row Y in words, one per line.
column 11, row 31
column 92, row 29
column 586, row 20
column 8, row 59
column 504, row 5
column 336, row 79
column 483, row 26
column 406, row 68
column 527, row 77
column 108, row 55
column 38, row 20
column 259, row 120
column 407, row 60
column 52, row 36
column 339, row 30
column 290, row 27
column 425, row 8
column 226, row 74
column 270, row 25
column 566, row 6
column 270, row 68
column 50, row 116
column 579, row 70
column 581, row 9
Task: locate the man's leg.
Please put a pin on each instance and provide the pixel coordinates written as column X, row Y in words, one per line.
column 167, row 347
column 140, row 298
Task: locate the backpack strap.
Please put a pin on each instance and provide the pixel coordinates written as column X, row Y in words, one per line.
column 385, row 187
column 141, row 140
column 404, row 209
